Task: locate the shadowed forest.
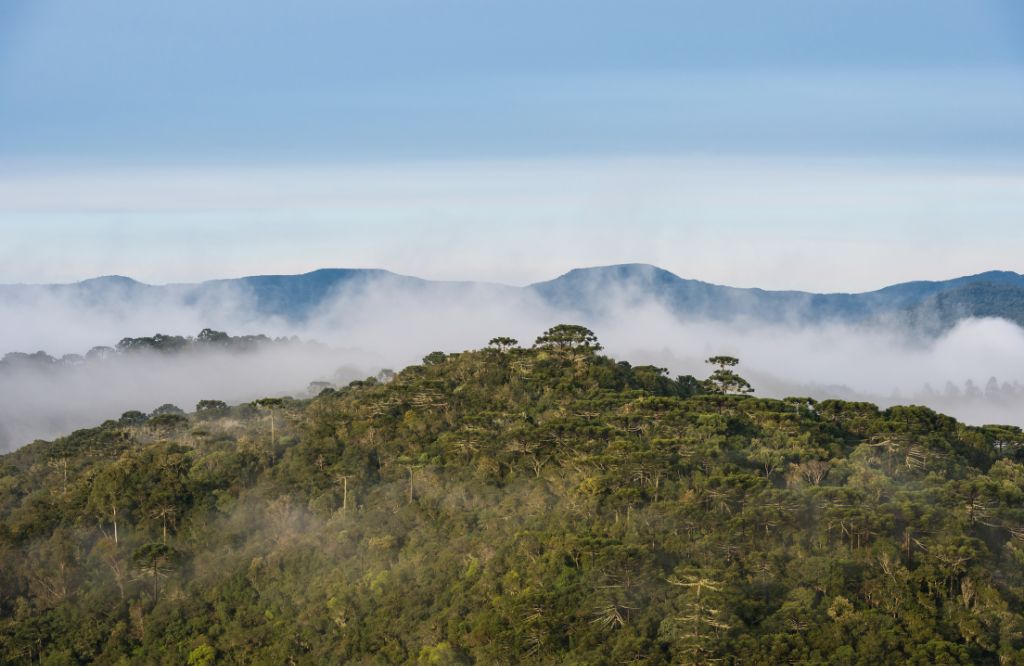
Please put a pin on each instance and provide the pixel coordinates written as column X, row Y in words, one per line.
column 540, row 504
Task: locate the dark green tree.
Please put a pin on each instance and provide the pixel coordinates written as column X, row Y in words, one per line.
column 568, row 337
column 724, row 379
column 502, row 343
column 155, row 561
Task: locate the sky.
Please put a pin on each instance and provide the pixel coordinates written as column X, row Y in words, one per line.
column 781, row 144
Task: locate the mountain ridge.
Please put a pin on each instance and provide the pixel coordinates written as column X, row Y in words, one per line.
column 994, row 275
column 933, row 305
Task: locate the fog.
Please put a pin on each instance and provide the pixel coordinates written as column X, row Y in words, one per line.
column 46, row 402
column 362, row 330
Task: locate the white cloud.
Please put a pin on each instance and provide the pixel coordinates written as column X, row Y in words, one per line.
column 388, row 327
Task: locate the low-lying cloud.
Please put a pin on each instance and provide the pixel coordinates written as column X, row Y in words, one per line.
column 379, row 325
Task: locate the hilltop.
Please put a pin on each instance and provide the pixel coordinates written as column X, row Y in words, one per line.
column 506, row 505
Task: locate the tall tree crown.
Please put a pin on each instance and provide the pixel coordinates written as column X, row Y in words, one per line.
column 568, row 336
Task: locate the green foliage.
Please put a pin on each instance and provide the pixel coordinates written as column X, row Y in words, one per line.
column 204, row 655
column 434, row 358
column 133, row 418
column 510, row 505
column 503, row 343
column 166, row 410
column 724, row 380
column 568, row 336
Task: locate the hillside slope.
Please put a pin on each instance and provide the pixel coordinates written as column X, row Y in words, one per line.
column 541, row 505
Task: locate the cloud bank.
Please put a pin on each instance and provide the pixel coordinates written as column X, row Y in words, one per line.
column 378, row 325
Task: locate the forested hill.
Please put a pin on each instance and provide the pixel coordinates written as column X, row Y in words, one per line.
column 544, row 505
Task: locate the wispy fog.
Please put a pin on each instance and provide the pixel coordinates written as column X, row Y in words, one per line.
column 39, row 402
column 379, row 325
column 974, row 372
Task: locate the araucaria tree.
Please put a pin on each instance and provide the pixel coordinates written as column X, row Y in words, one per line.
column 503, row 343
column 568, row 336
column 724, row 379
column 571, row 340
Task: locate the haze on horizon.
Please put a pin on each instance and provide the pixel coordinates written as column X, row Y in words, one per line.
column 975, row 371
column 780, row 144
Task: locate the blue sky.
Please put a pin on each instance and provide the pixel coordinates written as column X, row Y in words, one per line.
column 863, row 137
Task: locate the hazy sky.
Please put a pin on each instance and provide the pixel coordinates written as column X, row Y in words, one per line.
column 788, row 144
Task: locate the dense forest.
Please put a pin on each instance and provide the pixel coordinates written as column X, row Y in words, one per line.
column 508, row 505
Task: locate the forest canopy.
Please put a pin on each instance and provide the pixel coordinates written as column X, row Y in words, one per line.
column 545, row 504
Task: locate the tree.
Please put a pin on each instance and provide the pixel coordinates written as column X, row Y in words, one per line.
column 208, row 336
column 700, row 619
column 133, row 418
column 688, row 386
column 155, row 560
column 107, row 495
column 107, row 551
column 724, row 380
column 60, row 457
column 570, row 341
column 203, row 655
column 723, row 362
column 434, row 358
column 100, row 353
column 168, row 408
column 502, row 343
column 158, row 343
column 568, row 337
column 52, row 564
column 344, row 491
column 209, row 405
column 166, row 513
column 270, row 404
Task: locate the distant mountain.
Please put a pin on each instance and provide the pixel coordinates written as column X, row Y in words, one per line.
column 940, row 310
column 930, row 306
column 296, row 297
